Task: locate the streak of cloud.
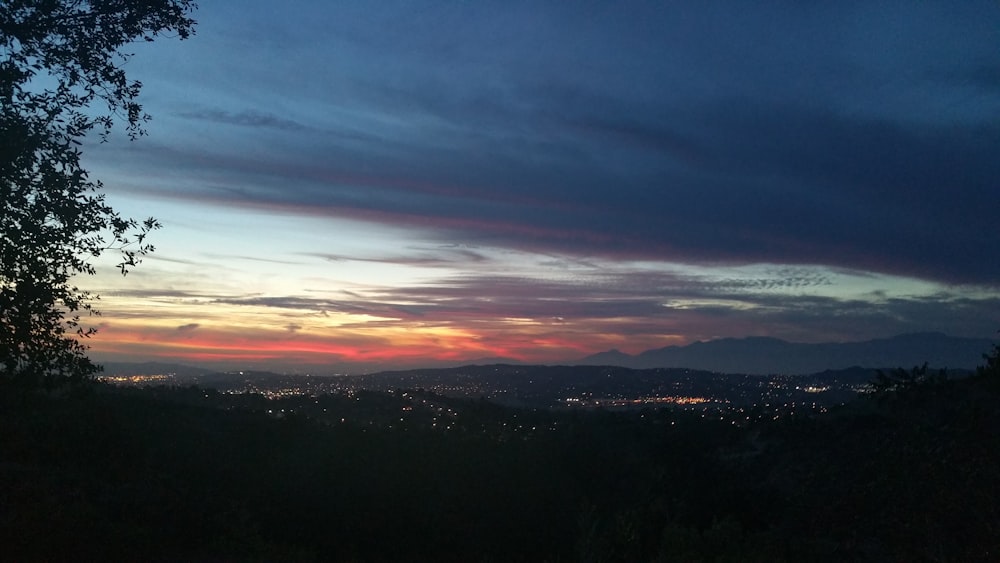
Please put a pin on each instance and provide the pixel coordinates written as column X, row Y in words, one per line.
column 651, row 173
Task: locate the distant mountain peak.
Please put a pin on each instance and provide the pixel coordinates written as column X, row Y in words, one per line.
column 613, row 356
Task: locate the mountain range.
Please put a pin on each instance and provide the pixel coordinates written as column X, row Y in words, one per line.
column 752, row 356
column 762, row 355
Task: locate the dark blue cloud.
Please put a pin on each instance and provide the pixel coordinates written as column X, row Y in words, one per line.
column 859, row 135
column 246, row 118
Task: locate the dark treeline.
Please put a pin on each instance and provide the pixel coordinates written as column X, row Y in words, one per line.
column 185, row 474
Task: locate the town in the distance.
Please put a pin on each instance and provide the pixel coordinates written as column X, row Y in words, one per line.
column 436, row 398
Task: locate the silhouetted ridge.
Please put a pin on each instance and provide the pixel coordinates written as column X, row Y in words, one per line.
column 763, row 355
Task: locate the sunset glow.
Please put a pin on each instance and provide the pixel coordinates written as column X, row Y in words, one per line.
column 365, row 187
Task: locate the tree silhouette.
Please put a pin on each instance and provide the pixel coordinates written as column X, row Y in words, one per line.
column 60, row 61
column 991, row 369
column 886, row 383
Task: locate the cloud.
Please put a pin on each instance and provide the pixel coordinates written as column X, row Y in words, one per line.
column 245, row 118
column 746, row 181
column 152, row 293
column 558, row 316
column 253, row 259
column 441, row 256
column 665, row 184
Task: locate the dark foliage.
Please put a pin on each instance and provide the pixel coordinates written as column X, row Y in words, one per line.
column 59, row 60
column 991, row 369
column 171, row 474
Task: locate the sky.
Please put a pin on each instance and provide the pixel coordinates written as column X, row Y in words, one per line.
column 354, row 186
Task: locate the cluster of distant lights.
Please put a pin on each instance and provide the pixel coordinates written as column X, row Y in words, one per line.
column 722, row 409
column 671, row 400
column 135, row 379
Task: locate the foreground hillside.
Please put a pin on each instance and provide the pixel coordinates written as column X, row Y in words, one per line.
column 185, row 474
